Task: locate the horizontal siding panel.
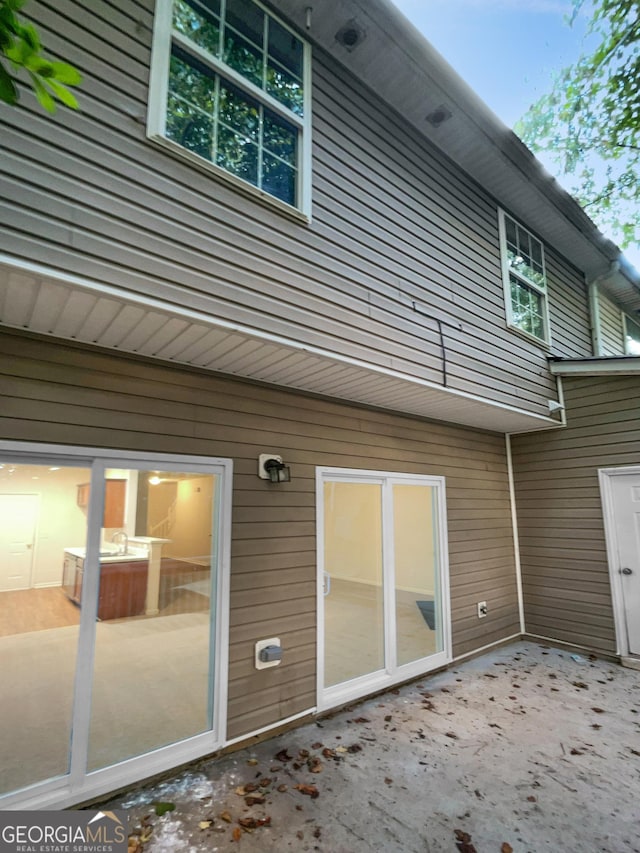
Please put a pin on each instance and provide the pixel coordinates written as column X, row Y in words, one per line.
column 562, row 541
column 396, row 225
column 77, row 395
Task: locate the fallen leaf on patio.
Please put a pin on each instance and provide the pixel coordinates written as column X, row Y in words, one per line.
column 463, row 842
column 489, row 675
column 341, row 749
column 236, row 834
column 596, row 726
column 329, row 753
column 316, row 745
column 388, row 718
column 265, row 782
column 506, row 848
column 317, row 832
column 205, row 824
column 355, row 747
column 360, row 720
column 452, row 735
column 309, row 790
column 580, row 685
column 574, row 751
column 163, row 808
column 254, row 800
column 283, row 788
column 299, row 835
column 532, row 799
column 133, row 845
column 552, row 675
column 226, row 817
column 445, row 690
column 252, row 761
column 427, row 705
column 634, row 751
column 146, row 834
column 303, row 753
column 598, row 710
column 388, row 781
column 283, row 755
column 315, row 765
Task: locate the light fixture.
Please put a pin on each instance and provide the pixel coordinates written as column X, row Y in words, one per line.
column 272, row 468
column 350, row 35
column 155, row 480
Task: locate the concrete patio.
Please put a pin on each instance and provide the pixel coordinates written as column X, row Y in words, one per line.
column 526, row 749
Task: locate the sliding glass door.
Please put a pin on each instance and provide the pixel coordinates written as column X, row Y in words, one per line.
column 383, row 612
column 114, row 594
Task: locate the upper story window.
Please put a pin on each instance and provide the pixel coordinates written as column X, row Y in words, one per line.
column 525, row 279
column 631, row 336
column 230, row 86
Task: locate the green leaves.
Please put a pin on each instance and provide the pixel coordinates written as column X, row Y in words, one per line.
column 589, row 124
column 21, row 50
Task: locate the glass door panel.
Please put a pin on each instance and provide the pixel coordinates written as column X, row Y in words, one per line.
column 353, row 602
column 416, row 561
column 43, row 531
column 152, row 681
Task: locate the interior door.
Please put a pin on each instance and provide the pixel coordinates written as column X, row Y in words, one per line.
column 626, row 501
column 383, row 612
column 18, row 520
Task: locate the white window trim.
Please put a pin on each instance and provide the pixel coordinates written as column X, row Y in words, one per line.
column 156, row 112
column 507, row 271
column 78, row 784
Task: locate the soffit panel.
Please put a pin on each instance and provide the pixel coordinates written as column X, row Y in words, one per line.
column 81, row 311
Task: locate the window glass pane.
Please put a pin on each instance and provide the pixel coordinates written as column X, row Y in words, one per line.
column 353, row 603
column 196, row 22
column 43, row 530
column 189, row 127
column 524, row 253
column 153, row 676
column 416, row 561
column 278, row 179
column 243, row 57
column 632, row 336
column 238, row 155
column 285, row 48
column 512, row 236
column 280, row 138
column 239, row 112
column 191, row 81
column 246, row 18
column 285, row 89
column 527, row 307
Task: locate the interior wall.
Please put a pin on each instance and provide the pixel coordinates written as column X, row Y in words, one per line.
column 353, row 532
column 415, row 562
column 62, row 523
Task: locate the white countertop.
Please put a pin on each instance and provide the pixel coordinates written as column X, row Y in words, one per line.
column 111, row 556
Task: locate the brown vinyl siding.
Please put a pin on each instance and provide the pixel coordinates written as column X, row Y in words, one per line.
column 400, row 238
column 565, row 574
column 65, row 394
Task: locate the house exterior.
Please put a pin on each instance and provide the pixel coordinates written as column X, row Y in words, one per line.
column 256, row 242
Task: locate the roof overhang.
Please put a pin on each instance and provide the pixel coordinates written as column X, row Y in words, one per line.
column 416, row 82
column 620, row 365
column 47, row 302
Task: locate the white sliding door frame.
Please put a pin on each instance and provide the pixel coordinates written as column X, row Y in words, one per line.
column 78, row 784
column 391, row 673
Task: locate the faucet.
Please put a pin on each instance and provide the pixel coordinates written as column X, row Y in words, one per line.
column 121, row 537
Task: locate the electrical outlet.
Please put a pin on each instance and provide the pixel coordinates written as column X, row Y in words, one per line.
column 482, row 609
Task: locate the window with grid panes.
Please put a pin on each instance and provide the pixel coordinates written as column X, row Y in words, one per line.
column 524, row 278
column 229, row 85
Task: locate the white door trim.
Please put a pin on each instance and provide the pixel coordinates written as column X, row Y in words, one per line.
column 391, row 674
column 605, row 476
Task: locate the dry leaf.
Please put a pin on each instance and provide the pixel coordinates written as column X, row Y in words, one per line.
column 226, row 817
column 309, row 790
column 506, row 848
column 252, row 762
column 316, row 745
column 341, row 749
column 146, row 833
column 236, row 834
column 598, row 710
column 282, row 788
column 283, row 755
column 315, row 765
column 265, row 782
column 205, row 824
column 254, row 800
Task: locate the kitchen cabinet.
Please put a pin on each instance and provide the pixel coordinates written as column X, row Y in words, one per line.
column 123, row 585
column 114, row 501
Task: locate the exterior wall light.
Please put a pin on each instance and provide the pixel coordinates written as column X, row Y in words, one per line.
column 272, row 468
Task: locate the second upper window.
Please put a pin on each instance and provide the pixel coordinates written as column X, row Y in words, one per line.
column 525, row 279
column 230, row 85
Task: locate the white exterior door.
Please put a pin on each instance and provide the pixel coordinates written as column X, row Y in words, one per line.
column 18, row 520
column 626, row 508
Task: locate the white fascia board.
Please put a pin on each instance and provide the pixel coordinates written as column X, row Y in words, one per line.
column 628, row 365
